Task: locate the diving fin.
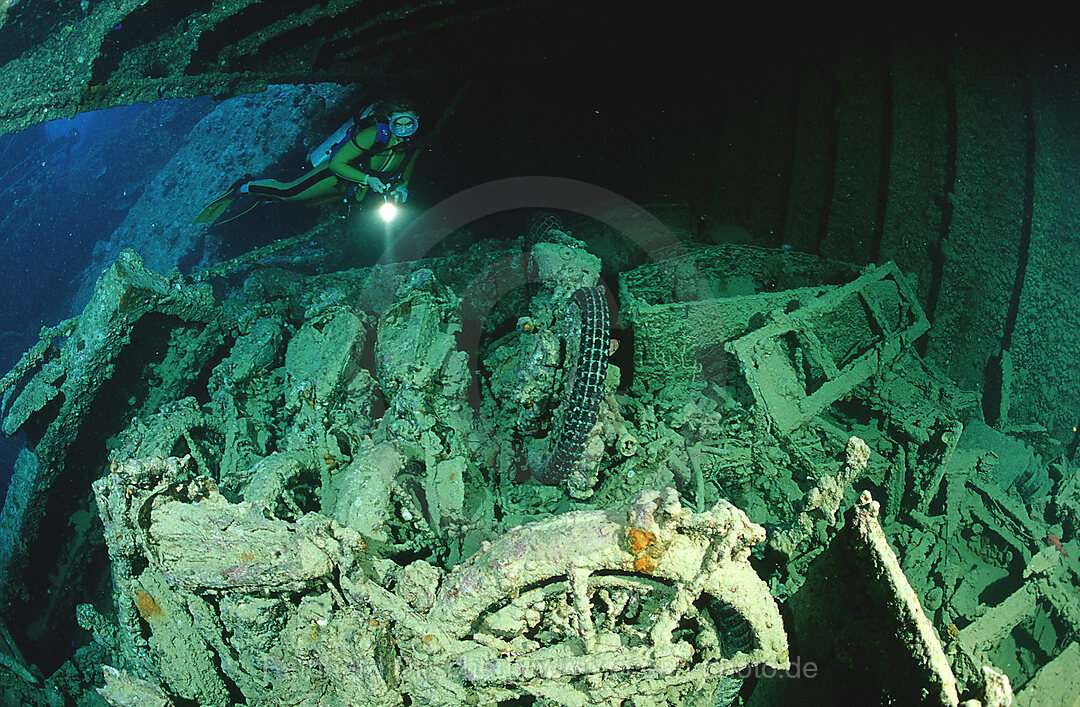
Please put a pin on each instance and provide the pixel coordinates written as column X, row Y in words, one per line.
column 213, row 211
column 236, row 216
column 217, row 207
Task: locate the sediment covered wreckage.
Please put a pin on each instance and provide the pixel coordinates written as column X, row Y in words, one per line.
column 314, row 490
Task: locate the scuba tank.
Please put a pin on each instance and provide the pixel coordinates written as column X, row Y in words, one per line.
column 330, row 145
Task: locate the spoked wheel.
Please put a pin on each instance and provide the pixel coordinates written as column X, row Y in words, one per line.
column 603, row 624
column 673, row 611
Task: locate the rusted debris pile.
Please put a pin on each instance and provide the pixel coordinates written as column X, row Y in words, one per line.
column 319, row 487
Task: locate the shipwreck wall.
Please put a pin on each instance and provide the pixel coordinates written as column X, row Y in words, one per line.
column 953, row 156
column 1045, row 340
column 949, row 150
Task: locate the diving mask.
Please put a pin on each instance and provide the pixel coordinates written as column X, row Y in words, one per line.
column 403, row 123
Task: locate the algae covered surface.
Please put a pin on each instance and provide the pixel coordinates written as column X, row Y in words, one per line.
column 800, row 431
column 321, row 489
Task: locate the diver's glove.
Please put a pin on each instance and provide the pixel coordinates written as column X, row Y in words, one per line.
column 376, row 184
column 399, row 194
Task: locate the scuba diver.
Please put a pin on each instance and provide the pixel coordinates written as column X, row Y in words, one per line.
column 373, row 152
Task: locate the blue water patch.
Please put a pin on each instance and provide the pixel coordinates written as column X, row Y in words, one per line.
column 64, row 188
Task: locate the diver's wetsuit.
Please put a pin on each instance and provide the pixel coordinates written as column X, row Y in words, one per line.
column 349, row 167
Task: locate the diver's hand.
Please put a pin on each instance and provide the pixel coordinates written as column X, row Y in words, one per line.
column 399, row 194
column 377, row 184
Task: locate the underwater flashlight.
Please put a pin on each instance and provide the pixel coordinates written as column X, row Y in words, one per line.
column 388, row 210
